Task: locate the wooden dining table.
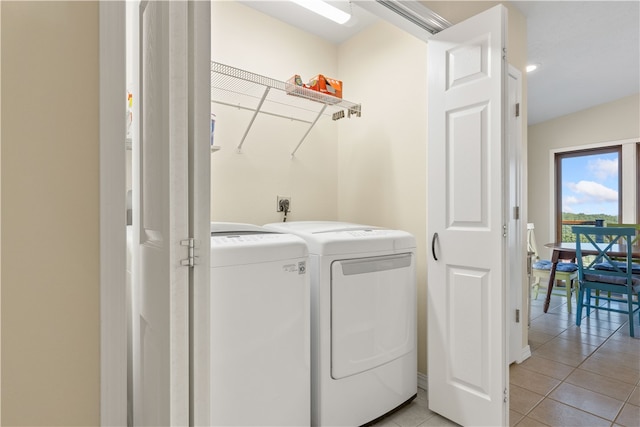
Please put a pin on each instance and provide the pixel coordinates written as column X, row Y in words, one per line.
column 567, row 251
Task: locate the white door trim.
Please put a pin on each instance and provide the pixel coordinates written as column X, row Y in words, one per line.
column 517, row 282
column 112, row 83
column 113, row 328
column 200, row 211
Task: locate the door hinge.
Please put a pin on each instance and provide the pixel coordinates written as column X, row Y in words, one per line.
column 504, row 230
column 517, row 315
column 190, row 243
column 518, row 109
column 516, row 212
column 506, row 396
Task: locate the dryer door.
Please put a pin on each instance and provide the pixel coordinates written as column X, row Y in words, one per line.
column 373, row 312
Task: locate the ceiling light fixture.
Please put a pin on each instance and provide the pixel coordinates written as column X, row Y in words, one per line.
column 325, row 9
column 531, row 67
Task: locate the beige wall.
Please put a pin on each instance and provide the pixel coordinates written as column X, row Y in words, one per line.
column 610, row 122
column 50, row 214
column 245, row 186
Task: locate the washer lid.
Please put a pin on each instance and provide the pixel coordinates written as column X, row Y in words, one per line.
column 236, row 227
column 242, row 244
column 314, row 227
column 331, row 237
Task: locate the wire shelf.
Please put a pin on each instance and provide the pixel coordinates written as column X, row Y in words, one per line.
column 239, row 88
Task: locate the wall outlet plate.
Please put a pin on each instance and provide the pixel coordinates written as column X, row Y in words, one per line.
column 281, row 201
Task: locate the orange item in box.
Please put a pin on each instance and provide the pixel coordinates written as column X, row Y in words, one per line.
column 326, row 85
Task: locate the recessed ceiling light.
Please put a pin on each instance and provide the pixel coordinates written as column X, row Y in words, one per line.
column 324, row 9
column 532, row 67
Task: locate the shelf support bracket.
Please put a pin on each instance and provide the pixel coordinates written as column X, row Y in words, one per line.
column 255, row 114
column 324, row 107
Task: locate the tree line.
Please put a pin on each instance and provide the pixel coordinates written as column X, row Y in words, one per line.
column 586, row 219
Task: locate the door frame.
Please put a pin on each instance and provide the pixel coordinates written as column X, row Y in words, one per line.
column 516, row 270
column 112, row 85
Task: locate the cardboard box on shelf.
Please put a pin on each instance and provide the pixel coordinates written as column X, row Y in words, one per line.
column 326, row 85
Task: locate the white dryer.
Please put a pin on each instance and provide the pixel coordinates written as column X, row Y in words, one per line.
column 260, row 363
column 363, row 320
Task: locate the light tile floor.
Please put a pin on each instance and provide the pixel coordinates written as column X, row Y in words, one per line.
column 587, row 376
column 415, row 414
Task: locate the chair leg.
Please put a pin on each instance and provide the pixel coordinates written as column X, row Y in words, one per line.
column 579, row 308
column 536, row 288
column 568, row 286
column 630, row 306
column 638, row 297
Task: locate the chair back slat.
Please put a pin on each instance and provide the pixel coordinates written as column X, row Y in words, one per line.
column 617, row 236
column 532, row 247
column 633, row 241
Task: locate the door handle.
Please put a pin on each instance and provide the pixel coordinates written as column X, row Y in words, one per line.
column 433, row 246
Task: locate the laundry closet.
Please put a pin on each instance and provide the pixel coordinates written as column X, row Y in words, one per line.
column 369, row 169
column 362, row 160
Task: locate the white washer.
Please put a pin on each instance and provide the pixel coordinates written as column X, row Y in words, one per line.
column 363, row 320
column 260, row 367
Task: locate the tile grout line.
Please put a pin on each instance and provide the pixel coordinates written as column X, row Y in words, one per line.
column 545, row 396
column 632, row 390
column 597, row 347
column 590, row 413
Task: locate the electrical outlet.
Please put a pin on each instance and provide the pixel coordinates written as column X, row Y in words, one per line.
column 281, row 202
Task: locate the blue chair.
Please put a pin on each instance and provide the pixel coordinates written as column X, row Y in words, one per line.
column 633, row 242
column 605, row 273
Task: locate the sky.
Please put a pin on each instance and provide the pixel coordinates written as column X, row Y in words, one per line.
column 590, row 184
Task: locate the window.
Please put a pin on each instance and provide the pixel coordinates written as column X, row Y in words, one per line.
column 588, row 188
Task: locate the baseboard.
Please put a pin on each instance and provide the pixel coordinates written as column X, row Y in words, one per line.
column 422, row 381
column 525, row 354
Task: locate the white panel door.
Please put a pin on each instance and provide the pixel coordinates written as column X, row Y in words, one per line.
column 161, row 389
column 466, row 296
